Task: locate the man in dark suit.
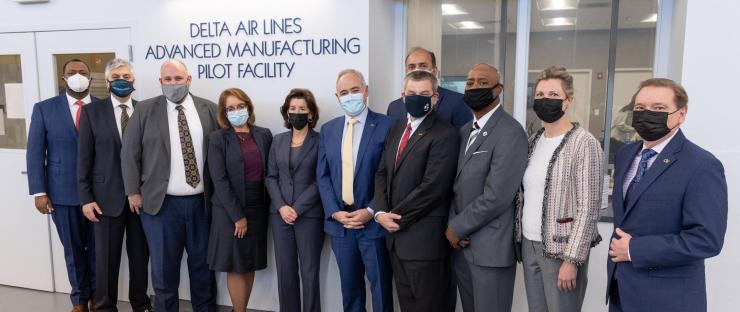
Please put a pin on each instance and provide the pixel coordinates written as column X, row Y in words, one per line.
column 350, row 148
column 670, row 209
column 102, row 196
column 412, row 197
column 491, row 164
column 450, row 105
column 162, row 159
column 51, row 160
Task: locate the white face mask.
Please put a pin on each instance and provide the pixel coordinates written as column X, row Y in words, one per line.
column 78, row 83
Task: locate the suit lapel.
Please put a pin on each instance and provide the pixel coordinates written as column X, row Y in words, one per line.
column 484, row 134
column 259, row 140
column 418, row 134
column 159, row 113
column 307, row 145
column 618, row 191
column 109, row 116
column 68, row 123
column 665, row 159
column 367, row 134
column 233, row 147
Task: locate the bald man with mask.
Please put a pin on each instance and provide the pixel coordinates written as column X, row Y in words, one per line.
column 167, row 183
column 491, row 164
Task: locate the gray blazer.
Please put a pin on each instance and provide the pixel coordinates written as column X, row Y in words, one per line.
column 145, row 151
column 297, row 189
column 487, row 180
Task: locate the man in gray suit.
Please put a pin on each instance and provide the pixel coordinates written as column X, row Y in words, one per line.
column 491, row 163
column 162, row 160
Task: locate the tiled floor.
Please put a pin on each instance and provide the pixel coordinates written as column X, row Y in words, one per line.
column 13, row 299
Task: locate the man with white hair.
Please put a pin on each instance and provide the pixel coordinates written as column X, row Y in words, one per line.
column 162, row 159
column 102, row 196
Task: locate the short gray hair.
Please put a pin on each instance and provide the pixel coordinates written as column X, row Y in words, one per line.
column 354, row 72
column 116, row 63
column 420, row 75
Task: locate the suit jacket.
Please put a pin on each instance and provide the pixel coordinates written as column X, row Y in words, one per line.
column 226, row 165
column 99, row 159
column 298, row 188
column 677, row 216
column 488, row 178
column 450, row 108
column 51, row 153
column 329, row 170
column 145, row 153
column 418, row 187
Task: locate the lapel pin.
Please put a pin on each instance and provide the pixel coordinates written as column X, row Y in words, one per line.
column 485, row 133
column 372, row 125
column 666, row 161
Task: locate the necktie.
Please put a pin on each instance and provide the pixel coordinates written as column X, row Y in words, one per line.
column 641, row 168
column 192, row 176
column 79, row 104
column 473, row 135
column 404, row 141
column 124, row 117
column 348, row 165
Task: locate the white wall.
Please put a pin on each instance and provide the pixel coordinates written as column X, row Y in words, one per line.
column 709, row 73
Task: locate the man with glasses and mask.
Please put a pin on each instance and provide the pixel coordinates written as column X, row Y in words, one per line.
column 162, row 159
column 350, row 148
column 490, row 168
column 51, row 160
column 670, row 209
column 102, row 195
column 450, row 106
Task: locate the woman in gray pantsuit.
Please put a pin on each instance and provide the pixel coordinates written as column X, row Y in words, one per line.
column 296, row 214
column 559, row 206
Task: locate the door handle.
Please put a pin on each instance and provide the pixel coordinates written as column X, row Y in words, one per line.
column 24, row 173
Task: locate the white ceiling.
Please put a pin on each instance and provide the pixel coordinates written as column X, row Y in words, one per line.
column 589, row 15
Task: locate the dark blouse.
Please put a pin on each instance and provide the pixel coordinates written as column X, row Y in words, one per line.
column 252, row 157
column 294, row 150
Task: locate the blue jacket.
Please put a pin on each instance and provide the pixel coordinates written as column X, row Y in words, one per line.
column 51, row 154
column 329, row 170
column 450, row 108
column 677, row 216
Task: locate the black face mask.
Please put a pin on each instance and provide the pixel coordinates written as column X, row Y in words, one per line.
column 651, row 125
column 298, row 121
column 418, row 105
column 549, row 110
column 478, row 99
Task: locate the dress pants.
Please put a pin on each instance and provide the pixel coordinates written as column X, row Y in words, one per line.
column 78, row 240
column 109, row 233
column 484, row 289
column 356, row 257
column 181, row 224
column 422, row 285
column 541, row 281
column 298, row 248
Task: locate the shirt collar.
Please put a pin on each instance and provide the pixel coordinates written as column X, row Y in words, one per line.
column 360, row 118
column 115, row 102
column 417, row 121
column 484, row 119
column 72, row 100
column 187, row 103
column 658, row 148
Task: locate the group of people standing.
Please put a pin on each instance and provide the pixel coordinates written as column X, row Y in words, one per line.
column 443, row 194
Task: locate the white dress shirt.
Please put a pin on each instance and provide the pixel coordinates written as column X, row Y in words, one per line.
column 414, row 125
column 118, row 111
column 177, row 185
column 357, row 129
column 73, row 107
column 636, row 162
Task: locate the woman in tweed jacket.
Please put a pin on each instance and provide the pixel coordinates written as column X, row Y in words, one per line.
column 559, row 204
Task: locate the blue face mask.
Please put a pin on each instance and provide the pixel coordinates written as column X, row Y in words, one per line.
column 121, row 87
column 353, row 104
column 238, row 118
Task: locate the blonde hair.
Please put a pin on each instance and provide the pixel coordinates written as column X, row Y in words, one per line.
column 560, row 73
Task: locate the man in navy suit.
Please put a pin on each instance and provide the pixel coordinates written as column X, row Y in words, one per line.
column 51, row 160
column 102, row 194
column 670, row 209
column 350, row 149
column 450, row 105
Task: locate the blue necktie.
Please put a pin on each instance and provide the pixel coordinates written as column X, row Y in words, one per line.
column 641, row 169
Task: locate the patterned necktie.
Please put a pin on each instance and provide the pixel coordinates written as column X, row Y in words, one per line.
column 79, row 104
column 404, row 141
column 473, row 135
column 192, row 176
column 124, row 117
column 348, row 165
column 641, row 169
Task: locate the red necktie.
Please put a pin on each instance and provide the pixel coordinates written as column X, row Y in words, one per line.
column 79, row 104
column 404, row 140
